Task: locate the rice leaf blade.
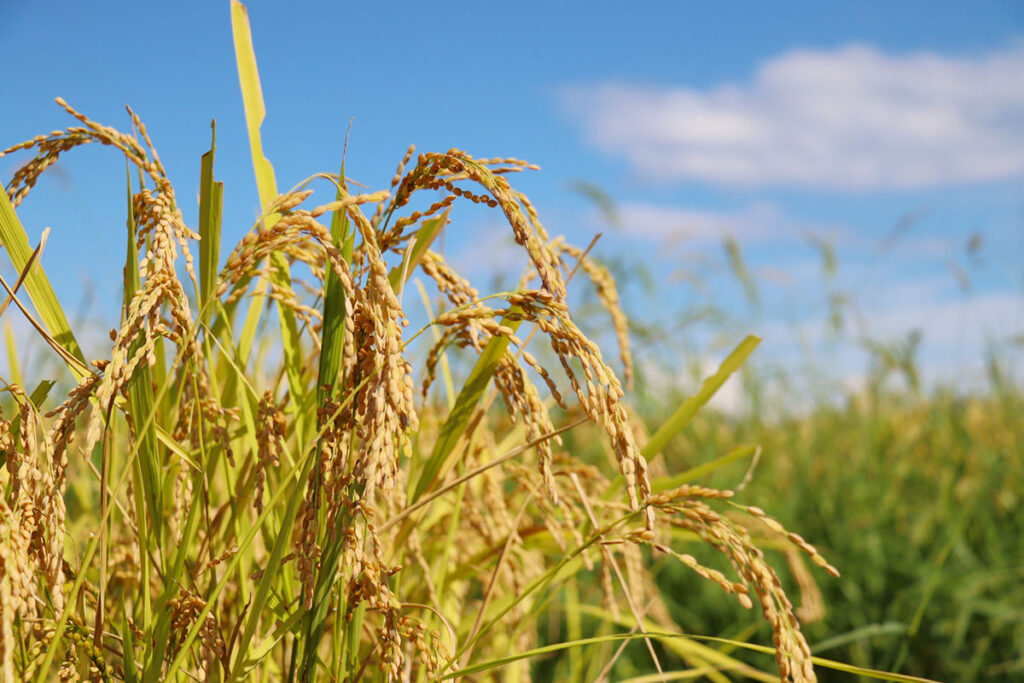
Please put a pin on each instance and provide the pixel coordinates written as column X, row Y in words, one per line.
column 682, row 416
column 465, row 404
column 12, row 354
column 280, row 275
column 425, row 236
column 140, row 390
column 333, row 337
column 211, row 203
column 37, row 284
column 252, row 98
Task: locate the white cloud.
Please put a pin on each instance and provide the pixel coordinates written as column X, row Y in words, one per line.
column 850, row 118
column 754, row 222
column 955, row 332
column 959, row 326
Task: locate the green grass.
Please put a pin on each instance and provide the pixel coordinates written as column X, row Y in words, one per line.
column 914, row 496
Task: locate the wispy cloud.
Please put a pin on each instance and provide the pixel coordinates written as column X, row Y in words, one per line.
column 752, row 223
column 955, row 332
column 850, row 118
column 962, row 325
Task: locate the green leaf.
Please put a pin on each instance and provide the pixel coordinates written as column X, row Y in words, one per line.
column 333, row 337
column 425, row 236
column 618, row 637
column 704, row 469
column 690, row 406
column 15, row 241
column 131, row 673
column 12, row 354
column 465, row 404
column 333, row 342
column 270, row 568
column 140, row 391
column 280, row 276
column 211, row 202
column 252, row 97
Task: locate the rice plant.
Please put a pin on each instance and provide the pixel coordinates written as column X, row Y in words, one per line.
column 256, row 482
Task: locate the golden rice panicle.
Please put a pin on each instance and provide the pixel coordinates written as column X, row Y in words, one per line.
column 461, row 328
column 369, row 584
column 80, row 645
column 185, row 609
column 338, row 423
column 169, row 227
column 459, row 292
column 13, row 589
column 62, row 432
column 524, row 402
column 397, row 236
column 307, row 549
column 608, row 295
column 599, row 393
column 270, row 432
column 812, row 603
column 436, row 171
column 158, row 218
column 294, row 227
column 426, row 644
column 690, row 512
column 401, row 166
column 384, row 403
column 50, row 147
column 456, row 288
column 18, row 591
column 795, row 539
column 38, row 498
column 141, row 321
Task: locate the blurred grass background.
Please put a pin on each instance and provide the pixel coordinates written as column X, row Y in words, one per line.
column 911, row 487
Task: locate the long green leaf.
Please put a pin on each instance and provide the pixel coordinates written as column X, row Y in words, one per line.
column 704, row 469
column 333, row 337
column 140, row 391
column 694, row 473
column 280, row 275
column 131, row 673
column 425, row 236
column 211, row 203
column 465, row 404
column 141, row 409
column 15, row 240
column 889, row 628
column 12, row 354
column 333, row 342
column 690, row 406
column 617, row 637
column 270, row 568
column 252, row 98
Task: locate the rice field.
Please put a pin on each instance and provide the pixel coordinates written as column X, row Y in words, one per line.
column 260, row 480
column 915, row 497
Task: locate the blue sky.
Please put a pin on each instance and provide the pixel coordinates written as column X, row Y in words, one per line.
column 892, row 131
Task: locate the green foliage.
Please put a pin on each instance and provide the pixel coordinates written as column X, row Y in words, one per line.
column 915, row 496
